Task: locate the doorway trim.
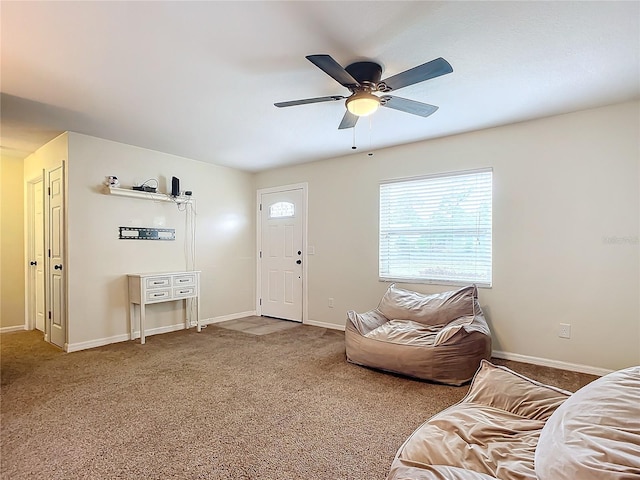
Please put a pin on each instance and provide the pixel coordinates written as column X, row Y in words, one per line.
column 305, row 256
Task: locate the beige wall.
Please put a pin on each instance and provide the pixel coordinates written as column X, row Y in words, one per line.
column 566, row 226
column 47, row 157
column 12, row 266
column 98, row 261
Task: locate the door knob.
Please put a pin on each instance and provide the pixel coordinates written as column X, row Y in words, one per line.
column 33, row 263
column 58, row 267
column 298, row 262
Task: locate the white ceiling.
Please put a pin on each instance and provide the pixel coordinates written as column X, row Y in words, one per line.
column 199, row 79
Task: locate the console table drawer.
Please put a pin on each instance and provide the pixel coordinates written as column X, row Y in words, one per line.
column 158, row 282
column 180, row 280
column 157, row 295
column 183, row 292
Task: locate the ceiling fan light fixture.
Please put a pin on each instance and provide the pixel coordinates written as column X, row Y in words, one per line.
column 362, row 103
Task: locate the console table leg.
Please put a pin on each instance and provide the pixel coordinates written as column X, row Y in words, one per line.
column 197, row 300
column 132, row 318
column 142, row 314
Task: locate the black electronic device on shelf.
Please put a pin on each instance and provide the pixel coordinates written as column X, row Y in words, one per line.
column 175, row 187
column 144, row 188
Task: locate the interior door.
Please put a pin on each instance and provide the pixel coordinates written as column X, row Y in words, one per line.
column 36, row 258
column 56, row 316
column 281, row 255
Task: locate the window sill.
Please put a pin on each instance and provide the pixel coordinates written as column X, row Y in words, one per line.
column 434, row 282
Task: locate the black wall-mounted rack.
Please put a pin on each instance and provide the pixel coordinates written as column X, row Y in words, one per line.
column 145, row 233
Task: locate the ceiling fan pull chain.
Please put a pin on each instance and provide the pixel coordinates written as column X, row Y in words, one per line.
column 354, row 139
column 370, row 129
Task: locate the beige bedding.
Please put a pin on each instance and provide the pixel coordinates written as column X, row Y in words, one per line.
column 596, row 433
column 437, row 472
column 509, row 427
column 493, row 431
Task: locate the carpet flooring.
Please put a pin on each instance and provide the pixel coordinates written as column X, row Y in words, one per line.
column 220, row 404
column 258, row 325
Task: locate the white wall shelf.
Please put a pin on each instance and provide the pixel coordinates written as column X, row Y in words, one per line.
column 162, row 197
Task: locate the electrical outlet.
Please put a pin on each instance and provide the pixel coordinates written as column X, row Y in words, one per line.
column 330, row 303
column 565, row 330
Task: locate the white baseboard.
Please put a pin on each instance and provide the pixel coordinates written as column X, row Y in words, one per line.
column 99, row 342
column 16, row 328
column 332, row 326
column 224, row 318
column 544, row 362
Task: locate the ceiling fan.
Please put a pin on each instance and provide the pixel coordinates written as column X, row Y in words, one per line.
column 363, row 80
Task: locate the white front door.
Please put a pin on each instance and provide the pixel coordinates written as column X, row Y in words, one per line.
column 56, row 317
column 281, row 254
column 36, row 258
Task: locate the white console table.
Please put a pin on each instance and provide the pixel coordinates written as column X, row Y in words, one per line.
column 147, row 288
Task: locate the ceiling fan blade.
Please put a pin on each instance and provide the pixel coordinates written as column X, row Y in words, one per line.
column 426, row 71
column 305, row 101
column 332, row 68
column 409, row 106
column 348, row 121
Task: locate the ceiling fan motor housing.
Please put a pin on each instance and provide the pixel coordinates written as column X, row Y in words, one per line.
column 368, row 74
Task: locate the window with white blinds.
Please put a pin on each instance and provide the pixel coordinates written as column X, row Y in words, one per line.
column 437, row 229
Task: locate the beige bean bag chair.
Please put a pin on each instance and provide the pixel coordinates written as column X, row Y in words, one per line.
column 510, row 427
column 441, row 337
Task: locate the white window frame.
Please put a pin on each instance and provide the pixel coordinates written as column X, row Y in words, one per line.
column 279, row 211
column 400, row 258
